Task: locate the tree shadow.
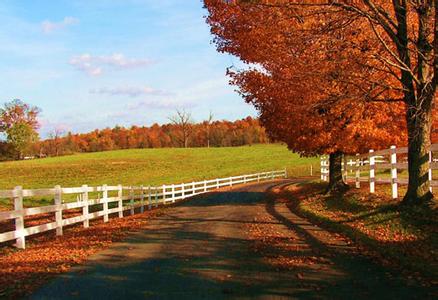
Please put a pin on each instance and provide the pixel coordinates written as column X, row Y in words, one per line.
column 199, row 250
column 413, row 255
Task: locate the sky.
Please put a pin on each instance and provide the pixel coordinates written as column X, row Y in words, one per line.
column 100, row 63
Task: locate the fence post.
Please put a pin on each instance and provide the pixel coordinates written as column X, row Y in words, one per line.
column 394, row 185
column 345, row 173
column 173, row 193
column 244, row 179
column 58, row 213
column 343, row 167
column 85, row 205
column 131, row 202
column 357, row 171
column 164, row 194
column 120, row 202
column 231, row 181
column 217, row 183
column 105, row 202
column 141, row 199
column 183, row 191
column 20, row 241
column 149, row 198
column 156, row 196
column 205, row 186
column 372, row 161
column 430, row 172
column 322, row 169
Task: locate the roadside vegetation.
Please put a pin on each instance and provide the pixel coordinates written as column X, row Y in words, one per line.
column 396, row 235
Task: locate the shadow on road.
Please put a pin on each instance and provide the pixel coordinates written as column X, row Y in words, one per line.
column 200, row 250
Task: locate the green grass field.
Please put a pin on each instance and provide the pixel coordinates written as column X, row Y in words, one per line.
column 152, row 166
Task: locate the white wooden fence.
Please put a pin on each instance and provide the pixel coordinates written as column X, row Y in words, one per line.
column 392, row 160
column 124, row 198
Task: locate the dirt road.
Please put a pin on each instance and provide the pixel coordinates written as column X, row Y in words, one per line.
column 202, row 249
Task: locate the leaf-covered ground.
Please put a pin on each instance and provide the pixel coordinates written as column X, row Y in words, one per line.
column 46, row 256
column 400, row 236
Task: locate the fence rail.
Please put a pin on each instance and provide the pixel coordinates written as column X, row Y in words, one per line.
column 124, row 198
column 376, row 164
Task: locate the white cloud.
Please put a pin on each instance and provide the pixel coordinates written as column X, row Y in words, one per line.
column 159, row 104
column 130, row 91
column 94, row 65
column 49, row 26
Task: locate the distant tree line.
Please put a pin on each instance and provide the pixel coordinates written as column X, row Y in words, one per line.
column 19, row 124
column 215, row 134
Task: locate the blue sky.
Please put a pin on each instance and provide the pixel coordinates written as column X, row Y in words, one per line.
column 92, row 64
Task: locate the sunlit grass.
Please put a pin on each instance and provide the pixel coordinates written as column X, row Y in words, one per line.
column 151, row 166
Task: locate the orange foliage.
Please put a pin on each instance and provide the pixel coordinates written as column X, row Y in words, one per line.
column 221, row 133
column 303, row 77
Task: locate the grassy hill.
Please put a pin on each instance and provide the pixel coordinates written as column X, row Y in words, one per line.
column 152, row 166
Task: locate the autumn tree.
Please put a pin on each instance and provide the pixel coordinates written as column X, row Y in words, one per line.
column 300, row 81
column 207, row 124
column 183, row 121
column 21, row 136
column 403, row 45
column 56, row 140
column 19, row 122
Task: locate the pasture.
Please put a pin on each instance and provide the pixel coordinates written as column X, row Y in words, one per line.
column 152, row 166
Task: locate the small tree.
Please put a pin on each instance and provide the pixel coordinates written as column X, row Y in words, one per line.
column 184, row 123
column 207, row 124
column 19, row 122
column 21, row 136
column 56, row 141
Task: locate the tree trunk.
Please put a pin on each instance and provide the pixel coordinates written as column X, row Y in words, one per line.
column 419, row 123
column 336, row 183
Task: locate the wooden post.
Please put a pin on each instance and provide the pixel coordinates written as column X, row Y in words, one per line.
column 372, row 161
column 120, row 202
column 183, row 191
column 142, row 199
column 430, row 172
column 156, row 196
column 217, row 183
column 20, row 241
column 205, row 186
column 85, row 205
column 258, row 177
column 131, row 202
column 394, row 185
column 105, row 202
column 357, row 171
column 164, row 193
column 322, row 169
column 345, row 174
column 173, row 193
column 244, row 179
column 149, row 198
column 58, row 212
